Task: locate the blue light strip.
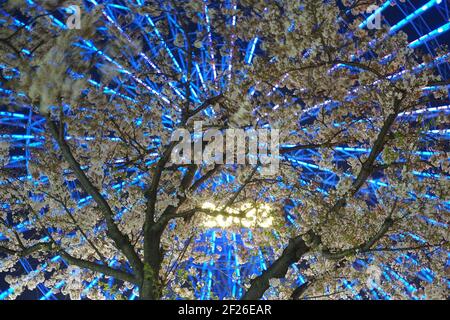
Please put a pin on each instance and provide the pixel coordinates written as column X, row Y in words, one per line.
column 236, row 269
column 50, row 293
column 161, row 38
column 147, row 59
column 207, row 294
column 211, row 47
column 12, row 115
column 413, row 15
column 429, row 36
column 251, row 50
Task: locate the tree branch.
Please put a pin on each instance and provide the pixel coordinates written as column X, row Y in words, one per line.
column 293, row 252
column 260, row 284
column 121, row 241
column 364, row 247
column 47, row 247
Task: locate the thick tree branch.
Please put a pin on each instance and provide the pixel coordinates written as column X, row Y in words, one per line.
column 205, row 177
column 100, row 268
column 292, row 253
column 47, row 247
column 121, row 241
column 366, row 246
column 260, row 284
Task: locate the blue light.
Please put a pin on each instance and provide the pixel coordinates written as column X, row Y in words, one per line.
column 429, row 36
column 413, row 15
column 49, row 293
column 12, row 114
column 6, row 293
column 251, row 50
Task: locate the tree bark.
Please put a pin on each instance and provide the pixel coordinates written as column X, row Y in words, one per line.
column 293, row 252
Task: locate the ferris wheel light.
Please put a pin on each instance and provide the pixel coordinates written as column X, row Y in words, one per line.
column 255, row 215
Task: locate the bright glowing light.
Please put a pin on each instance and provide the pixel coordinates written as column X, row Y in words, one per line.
column 248, row 215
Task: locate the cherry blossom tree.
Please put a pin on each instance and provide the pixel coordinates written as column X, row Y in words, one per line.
column 322, row 81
